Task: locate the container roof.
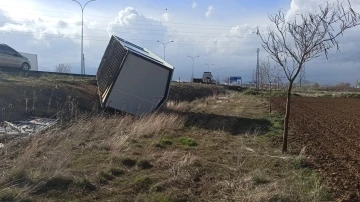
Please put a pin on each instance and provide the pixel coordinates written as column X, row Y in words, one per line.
column 143, row 52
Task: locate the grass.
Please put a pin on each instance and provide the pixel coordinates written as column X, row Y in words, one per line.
column 142, row 183
column 144, row 164
column 165, row 142
column 259, row 179
column 189, row 142
column 22, row 77
column 104, row 177
column 128, row 162
column 219, row 148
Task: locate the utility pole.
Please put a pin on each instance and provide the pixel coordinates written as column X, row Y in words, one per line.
column 82, row 35
column 257, row 70
column 165, row 44
column 192, row 70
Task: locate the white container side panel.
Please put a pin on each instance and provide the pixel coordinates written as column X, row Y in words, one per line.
column 33, row 59
column 140, row 86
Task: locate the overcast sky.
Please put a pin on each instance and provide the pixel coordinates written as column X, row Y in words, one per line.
column 220, row 32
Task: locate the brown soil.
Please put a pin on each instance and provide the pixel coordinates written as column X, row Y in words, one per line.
column 329, row 128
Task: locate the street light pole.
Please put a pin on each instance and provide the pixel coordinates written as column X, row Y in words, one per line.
column 82, row 34
column 192, row 71
column 165, row 44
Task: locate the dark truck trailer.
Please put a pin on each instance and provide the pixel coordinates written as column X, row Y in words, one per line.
column 132, row 79
column 197, row 80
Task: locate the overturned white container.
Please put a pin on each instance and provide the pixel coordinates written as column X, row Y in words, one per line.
column 132, row 79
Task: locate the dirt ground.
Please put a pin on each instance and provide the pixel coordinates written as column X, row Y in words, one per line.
column 329, row 128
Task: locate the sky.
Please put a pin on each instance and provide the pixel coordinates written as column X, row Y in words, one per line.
column 220, row 32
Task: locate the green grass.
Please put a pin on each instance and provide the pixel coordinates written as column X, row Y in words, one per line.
column 166, row 142
column 189, row 142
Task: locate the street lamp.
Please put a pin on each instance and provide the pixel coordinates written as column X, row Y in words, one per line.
column 165, row 44
column 192, row 72
column 82, row 34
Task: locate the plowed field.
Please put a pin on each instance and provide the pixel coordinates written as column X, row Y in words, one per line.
column 330, row 130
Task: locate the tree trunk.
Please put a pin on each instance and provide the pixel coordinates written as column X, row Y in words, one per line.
column 286, row 119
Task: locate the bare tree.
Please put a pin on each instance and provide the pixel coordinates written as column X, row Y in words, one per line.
column 301, row 76
column 63, row 68
column 293, row 42
column 278, row 79
column 262, row 77
column 254, row 78
column 342, row 86
column 269, row 76
column 226, row 80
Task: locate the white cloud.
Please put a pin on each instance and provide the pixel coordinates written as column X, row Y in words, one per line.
column 232, row 48
column 132, row 24
column 303, row 6
column 194, row 4
column 209, row 11
column 167, row 17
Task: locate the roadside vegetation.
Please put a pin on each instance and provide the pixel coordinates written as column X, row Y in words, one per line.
column 225, row 147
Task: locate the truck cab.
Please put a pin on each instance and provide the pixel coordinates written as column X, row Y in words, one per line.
column 208, row 77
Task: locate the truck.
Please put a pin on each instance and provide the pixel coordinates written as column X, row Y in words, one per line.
column 132, row 79
column 206, row 78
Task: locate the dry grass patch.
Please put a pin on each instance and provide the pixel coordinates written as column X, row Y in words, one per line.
column 85, row 148
column 158, row 158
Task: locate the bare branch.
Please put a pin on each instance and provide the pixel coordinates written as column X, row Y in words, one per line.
column 304, row 37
